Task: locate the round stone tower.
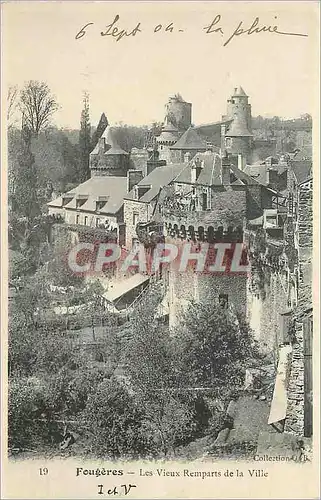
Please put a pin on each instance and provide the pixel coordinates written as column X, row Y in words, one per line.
column 238, row 138
column 178, row 113
column 238, row 106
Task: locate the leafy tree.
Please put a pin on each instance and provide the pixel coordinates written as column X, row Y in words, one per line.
column 24, row 191
column 215, row 347
column 151, row 365
column 129, row 137
column 114, row 421
column 19, row 266
column 84, row 141
column 25, row 399
column 56, row 159
column 83, row 385
column 37, row 105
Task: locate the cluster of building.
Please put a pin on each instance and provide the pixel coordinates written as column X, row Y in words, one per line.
column 213, row 183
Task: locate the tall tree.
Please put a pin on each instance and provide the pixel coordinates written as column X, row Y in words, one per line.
column 103, row 123
column 84, row 141
column 37, row 104
column 12, row 101
column 24, row 196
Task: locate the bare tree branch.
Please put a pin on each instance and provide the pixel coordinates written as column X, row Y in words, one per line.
column 11, row 101
column 37, row 105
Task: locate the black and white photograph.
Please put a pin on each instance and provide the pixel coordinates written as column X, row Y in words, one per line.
column 160, row 249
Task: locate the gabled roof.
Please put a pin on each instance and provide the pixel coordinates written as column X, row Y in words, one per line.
column 112, row 187
column 302, row 170
column 158, row 178
column 190, row 140
column 244, row 177
column 211, row 173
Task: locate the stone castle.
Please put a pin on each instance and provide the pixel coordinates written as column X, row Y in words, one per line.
column 213, row 183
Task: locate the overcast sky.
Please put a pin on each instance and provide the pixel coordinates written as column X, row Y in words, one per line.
column 131, row 79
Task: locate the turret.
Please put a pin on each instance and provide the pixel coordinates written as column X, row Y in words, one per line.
column 238, row 138
column 178, row 113
column 108, row 158
column 238, row 105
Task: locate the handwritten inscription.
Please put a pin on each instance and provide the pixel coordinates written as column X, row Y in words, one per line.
column 123, row 490
column 117, row 31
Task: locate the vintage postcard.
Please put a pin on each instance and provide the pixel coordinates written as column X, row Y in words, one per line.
column 160, row 249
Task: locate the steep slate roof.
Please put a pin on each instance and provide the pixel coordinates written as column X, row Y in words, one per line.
column 211, row 173
column 169, row 133
column 190, row 140
column 302, row 170
column 214, row 125
column 158, row 178
column 244, row 177
column 259, row 170
column 110, row 140
column 116, row 150
column 113, row 187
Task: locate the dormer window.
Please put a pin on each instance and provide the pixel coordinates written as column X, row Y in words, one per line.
column 139, row 191
column 66, row 198
column 80, row 200
column 101, row 202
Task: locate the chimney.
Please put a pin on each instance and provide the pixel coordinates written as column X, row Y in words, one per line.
column 197, row 167
column 193, row 174
column 187, row 157
column 223, row 132
column 226, row 174
column 133, row 178
column 240, row 162
column 267, row 176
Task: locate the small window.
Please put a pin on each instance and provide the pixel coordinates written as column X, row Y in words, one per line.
column 135, row 218
column 77, row 219
column 97, row 221
column 135, row 242
column 223, row 300
column 228, row 142
column 86, row 220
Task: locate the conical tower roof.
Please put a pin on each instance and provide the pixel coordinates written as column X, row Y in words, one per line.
column 238, row 128
column 239, row 92
column 110, row 142
column 169, row 133
column 109, row 137
column 190, row 140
